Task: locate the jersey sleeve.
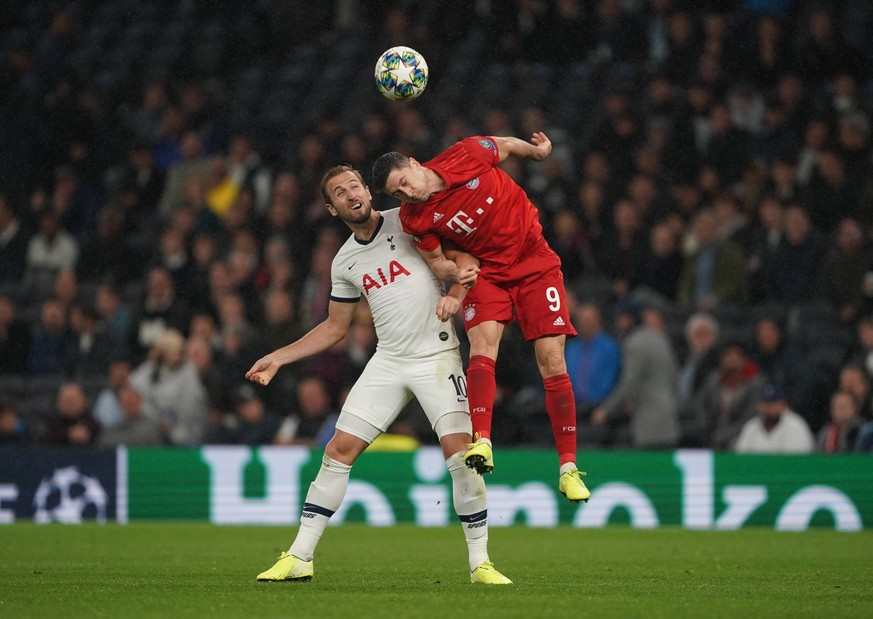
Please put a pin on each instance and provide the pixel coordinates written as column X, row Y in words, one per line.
column 465, row 160
column 341, row 289
column 422, row 237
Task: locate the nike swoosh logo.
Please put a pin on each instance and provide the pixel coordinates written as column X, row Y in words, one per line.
column 352, row 265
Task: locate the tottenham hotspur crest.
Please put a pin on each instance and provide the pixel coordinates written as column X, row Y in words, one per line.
column 390, row 240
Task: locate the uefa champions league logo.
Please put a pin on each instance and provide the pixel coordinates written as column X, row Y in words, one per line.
column 68, row 497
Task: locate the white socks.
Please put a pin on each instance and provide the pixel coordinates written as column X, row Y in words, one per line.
column 566, row 467
column 323, row 499
column 468, row 494
column 326, row 494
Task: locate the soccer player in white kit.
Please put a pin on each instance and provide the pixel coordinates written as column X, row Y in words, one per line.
column 416, row 355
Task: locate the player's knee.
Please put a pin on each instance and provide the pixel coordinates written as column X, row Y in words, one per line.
column 454, row 430
column 551, row 363
column 343, row 448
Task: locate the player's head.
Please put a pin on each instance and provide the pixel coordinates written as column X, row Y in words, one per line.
column 400, row 177
column 346, row 194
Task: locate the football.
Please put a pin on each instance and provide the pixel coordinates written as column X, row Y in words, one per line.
column 401, row 74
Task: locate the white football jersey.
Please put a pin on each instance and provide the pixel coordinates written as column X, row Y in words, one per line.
column 399, row 287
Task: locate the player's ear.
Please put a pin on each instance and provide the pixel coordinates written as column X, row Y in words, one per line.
column 330, row 209
column 413, row 163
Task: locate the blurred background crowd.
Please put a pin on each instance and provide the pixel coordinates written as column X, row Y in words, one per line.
column 710, row 194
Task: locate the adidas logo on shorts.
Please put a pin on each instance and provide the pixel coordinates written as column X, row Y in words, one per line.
column 559, row 322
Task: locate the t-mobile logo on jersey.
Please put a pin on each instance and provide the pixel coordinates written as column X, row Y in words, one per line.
column 463, row 223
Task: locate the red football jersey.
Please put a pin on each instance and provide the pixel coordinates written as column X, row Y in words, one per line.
column 483, row 210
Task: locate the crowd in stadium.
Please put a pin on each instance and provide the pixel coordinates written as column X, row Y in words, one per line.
column 710, row 194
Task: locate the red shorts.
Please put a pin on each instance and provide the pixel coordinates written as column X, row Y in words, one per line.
column 531, row 291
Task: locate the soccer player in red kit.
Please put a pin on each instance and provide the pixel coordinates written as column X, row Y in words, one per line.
column 463, row 197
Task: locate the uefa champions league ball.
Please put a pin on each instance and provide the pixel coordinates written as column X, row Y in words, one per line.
column 401, row 74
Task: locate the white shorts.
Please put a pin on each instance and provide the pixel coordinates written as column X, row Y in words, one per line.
column 386, row 385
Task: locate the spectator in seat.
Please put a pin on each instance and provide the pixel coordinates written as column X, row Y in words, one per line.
column 791, row 272
column 49, row 341
column 593, row 358
column 254, row 423
column 701, row 338
column 107, row 406
column 90, row 349
column 715, row 271
column 726, row 400
column 313, row 423
column 664, row 263
column 161, row 309
column 842, row 434
column 840, row 276
column 172, row 392
column 646, row 391
column 51, row 249
column 192, row 166
column 783, row 363
column 135, row 428
column 854, row 379
column 13, row 430
column 73, row 424
column 776, row 428
column 115, row 315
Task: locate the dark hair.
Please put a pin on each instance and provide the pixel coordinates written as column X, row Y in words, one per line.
column 384, row 165
column 336, row 171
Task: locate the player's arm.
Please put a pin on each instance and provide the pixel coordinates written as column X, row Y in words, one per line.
column 447, row 270
column 450, row 303
column 538, row 148
column 322, row 337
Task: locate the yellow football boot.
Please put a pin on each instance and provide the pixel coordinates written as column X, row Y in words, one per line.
column 485, row 574
column 288, row 567
column 572, row 487
column 479, row 456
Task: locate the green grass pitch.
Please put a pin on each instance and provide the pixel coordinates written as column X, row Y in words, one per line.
column 198, row 570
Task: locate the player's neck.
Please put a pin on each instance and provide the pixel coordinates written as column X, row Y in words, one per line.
column 435, row 182
column 365, row 231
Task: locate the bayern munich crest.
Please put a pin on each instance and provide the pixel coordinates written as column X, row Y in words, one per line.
column 473, row 183
column 469, row 313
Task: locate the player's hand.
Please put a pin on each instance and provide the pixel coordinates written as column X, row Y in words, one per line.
column 447, row 307
column 263, row 371
column 543, row 146
column 467, row 275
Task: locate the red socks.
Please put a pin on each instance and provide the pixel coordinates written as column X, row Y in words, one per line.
column 561, row 406
column 481, row 390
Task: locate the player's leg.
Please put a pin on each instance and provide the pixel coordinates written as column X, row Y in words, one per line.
column 487, row 308
column 481, row 389
column 561, row 408
column 470, row 500
column 359, row 424
column 327, row 490
column 541, row 305
column 324, row 497
column 438, row 385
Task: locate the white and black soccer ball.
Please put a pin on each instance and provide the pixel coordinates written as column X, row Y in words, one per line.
column 401, row 73
column 69, row 497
